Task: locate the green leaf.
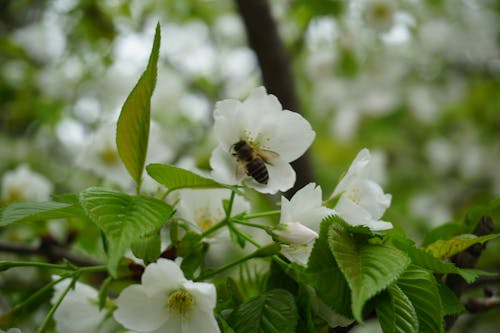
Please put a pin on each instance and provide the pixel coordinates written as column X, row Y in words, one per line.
column 35, row 211
column 274, row 311
column 123, row 219
column 323, row 272
column 175, row 178
column 450, row 302
column 448, row 248
column 421, row 288
column 445, row 231
column 132, row 132
column 426, row 260
column 368, row 268
column 147, row 249
column 396, row 312
column 192, row 250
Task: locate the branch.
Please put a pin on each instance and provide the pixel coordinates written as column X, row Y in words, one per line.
column 277, row 75
column 49, row 249
column 467, row 259
column 482, row 304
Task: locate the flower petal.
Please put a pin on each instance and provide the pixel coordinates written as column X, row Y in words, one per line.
column 228, row 126
column 172, row 324
column 136, row 310
column 291, row 136
column 203, row 293
column 162, row 276
column 281, row 178
column 356, row 171
column 297, row 253
column 372, row 198
column 200, row 321
column 224, row 166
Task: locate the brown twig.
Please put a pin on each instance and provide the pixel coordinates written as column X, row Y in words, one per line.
column 274, row 63
column 467, row 259
column 482, row 304
column 50, row 249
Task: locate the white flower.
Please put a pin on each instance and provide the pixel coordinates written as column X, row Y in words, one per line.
column 379, row 14
column 279, row 136
column 304, row 209
column 22, row 184
column 79, row 311
column 362, row 201
column 203, row 207
column 166, row 301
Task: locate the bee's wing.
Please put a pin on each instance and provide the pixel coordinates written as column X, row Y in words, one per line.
column 241, row 171
column 268, row 155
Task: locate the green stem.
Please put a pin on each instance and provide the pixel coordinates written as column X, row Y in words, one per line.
column 250, row 224
column 213, row 272
column 243, row 235
column 262, row 214
column 11, row 264
column 54, row 307
column 230, row 204
column 90, row 269
column 214, row 228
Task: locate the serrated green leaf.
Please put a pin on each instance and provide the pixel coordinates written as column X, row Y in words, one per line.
column 123, row 218
column 272, row 312
column 450, row 302
column 426, row 260
column 448, row 248
column 33, row 211
column 396, row 313
column 175, row 178
column 445, row 231
column 421, row 288
column 148, row 248
column 323, row 272
column 132, row 132
column 368, row 268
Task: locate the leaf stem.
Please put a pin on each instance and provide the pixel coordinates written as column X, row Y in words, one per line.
column 213, row 272
column 53, row 309
column 11, row 264
column 253, row 225
column 262, row 214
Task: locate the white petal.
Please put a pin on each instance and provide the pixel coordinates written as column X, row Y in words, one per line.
column 372, row 198
column 352, row 213
column 281, row 178
column 294, row 233
column 355, row 171
column 162, row 276
column 224, row 166
column 291, row 135
column 136, row 310
column 172, row 324
column 297, row 253
column 204, row 295
column 228, row 125
column 200, row 321
column 380, row 225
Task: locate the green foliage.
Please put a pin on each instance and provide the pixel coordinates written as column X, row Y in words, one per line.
column 368, row 268
column 323, row 272
column 175, row 178
column 132, row 131
column 123, row 219
column 148, row 248
column 421, row 288
column 450, row 302
column 273, row 311
column 395, row 312
column 192, row 250
column 35, row 211
column 448, row 248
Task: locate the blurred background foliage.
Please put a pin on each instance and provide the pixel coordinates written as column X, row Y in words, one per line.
column 415, row 81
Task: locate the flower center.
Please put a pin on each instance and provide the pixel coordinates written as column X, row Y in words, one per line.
column 203, row 218
column 108, row 155
column 353, row 195
column 180, row 302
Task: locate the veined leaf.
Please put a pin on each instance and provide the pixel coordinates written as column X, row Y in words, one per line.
column 33, row 211
column 421, row 288
column 450, row 302
column 396, row 313
column 148, row 249
column 132, row 132
column 426, row 260
column 176, row 178
column 448, row 248
column 123, row 218
column 274, row 311
column 368, row 268
column 324, row 274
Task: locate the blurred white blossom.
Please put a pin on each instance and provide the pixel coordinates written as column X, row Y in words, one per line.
column 23, row 184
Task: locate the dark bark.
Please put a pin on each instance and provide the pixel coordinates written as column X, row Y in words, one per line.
column 274, row 63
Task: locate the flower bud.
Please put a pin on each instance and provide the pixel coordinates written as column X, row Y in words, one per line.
column 293, row 233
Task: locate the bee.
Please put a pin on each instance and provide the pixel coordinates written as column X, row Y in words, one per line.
column 252, row 161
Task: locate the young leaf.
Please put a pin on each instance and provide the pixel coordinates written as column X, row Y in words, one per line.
column 368, row 268
column 448, row 248
column 132, row 132
column 33, row 211
column 396, row 312
column 421, row 288
column 324, row 275
column 148, row 248
column 192, row 250
column 176, row 178
column 451, row 303
column 273, row 311
column 123, row 219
